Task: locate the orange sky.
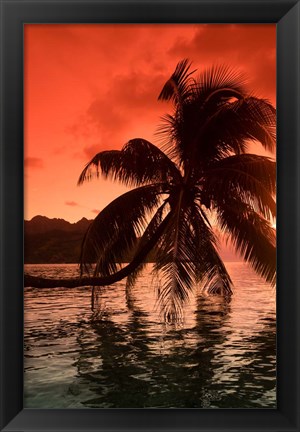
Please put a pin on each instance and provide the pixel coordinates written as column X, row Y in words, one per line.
column 93, row 87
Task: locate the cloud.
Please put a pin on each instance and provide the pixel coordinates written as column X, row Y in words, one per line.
column 71, row 203
column 122, row 100
column 33, row 162
column 124, row 104
column 95, row 211
column 128, row 101
column 251, row 48
column 129, row 95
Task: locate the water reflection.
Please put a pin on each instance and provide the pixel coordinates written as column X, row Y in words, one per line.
column 113, row 356
column 192, row 367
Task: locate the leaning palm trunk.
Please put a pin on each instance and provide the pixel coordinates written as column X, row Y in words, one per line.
column 38, row 282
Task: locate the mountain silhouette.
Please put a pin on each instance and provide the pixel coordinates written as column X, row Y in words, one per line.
column 53, row 240
column 57, row 241
column 42, row 224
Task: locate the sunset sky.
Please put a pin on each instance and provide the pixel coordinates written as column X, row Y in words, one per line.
column 93, row 87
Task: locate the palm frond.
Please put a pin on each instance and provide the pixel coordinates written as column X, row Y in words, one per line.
column 230, row 127
column 219, row 118
column 138, row 162
column 147, row 235
column 210, row 269
column 252, row 236
column 187, row 254
column 259, row 119
column 115, row 230
column 184, row 129
column 175, row 263
column 252, row 177
column 219, row 83
column 177, row 87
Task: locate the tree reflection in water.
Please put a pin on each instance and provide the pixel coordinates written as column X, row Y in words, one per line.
column 127, row 365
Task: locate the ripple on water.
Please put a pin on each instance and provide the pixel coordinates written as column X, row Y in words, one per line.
column 121, row 355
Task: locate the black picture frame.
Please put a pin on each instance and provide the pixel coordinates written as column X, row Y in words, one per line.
column 286, row 14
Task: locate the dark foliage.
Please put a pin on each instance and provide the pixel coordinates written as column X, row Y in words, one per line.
column 202, row 175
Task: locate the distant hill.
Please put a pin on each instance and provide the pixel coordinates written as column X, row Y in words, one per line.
column 56, row 241
column 53, row 240
column 42, row 224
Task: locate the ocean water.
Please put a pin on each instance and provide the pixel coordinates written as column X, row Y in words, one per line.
column 112, row 350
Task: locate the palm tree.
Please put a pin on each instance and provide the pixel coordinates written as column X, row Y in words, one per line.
column 200, row 176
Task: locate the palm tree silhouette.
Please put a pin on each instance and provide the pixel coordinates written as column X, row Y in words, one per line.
column 202, row 175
